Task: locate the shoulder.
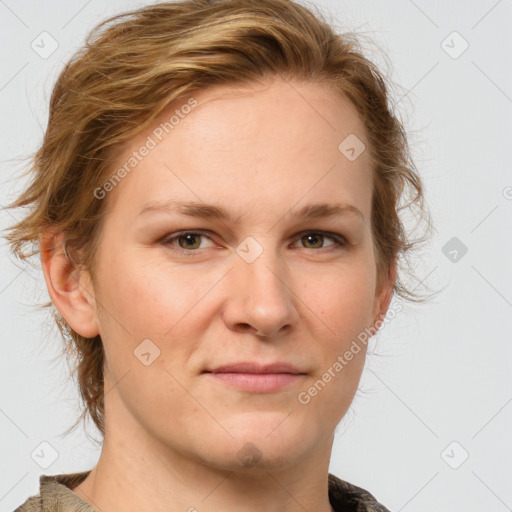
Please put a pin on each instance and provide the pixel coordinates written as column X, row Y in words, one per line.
column 33, row 504
column 56, row 495
column 345, row 496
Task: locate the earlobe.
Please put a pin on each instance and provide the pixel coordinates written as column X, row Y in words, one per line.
column 384, row 296
column 68, row 285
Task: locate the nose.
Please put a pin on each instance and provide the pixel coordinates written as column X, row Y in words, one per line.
column 260, row 299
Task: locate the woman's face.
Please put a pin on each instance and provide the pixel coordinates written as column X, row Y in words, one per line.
column 251, row 287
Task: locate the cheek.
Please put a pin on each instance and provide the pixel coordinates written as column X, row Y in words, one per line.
column 147, row 302
column 150, row 298
column 346, row 302
column 345, row 307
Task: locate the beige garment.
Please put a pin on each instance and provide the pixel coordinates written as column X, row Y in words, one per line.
column 55, row 495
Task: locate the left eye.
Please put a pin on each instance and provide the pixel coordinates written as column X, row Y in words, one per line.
column 319, row 235
column 188, row 237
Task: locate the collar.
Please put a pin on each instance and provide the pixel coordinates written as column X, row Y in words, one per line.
column 57, row 496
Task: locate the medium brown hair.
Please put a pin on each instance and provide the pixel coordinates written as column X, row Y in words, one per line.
column 135, row 64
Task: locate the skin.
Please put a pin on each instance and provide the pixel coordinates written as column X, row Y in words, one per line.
column 174, row 435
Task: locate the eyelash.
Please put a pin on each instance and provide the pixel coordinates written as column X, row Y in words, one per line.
column 167, row 241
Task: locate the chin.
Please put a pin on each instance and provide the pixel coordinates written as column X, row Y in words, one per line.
column 247, row 456
column 261, row 442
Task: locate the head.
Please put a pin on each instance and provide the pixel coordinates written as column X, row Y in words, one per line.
column 258, row 113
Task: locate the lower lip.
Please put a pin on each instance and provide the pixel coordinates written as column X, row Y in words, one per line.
column 257, row 382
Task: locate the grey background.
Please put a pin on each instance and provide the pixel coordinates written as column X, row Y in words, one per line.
column 442, row 373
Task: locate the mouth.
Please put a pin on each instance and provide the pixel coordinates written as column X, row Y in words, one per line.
column 256, row 378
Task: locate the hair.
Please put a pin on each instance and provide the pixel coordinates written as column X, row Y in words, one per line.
column 133, row 65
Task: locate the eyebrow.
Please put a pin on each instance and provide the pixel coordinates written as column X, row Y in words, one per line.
column 203, row 210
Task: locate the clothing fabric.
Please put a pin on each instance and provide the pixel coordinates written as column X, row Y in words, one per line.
column 55, row 495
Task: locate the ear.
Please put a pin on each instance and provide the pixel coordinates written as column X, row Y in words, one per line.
column 69, row 286
column 384, row 295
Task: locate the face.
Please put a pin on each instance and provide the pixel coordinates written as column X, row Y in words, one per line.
column 184, row 291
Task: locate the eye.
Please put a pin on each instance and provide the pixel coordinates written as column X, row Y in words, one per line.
column 317, row 237
column 190, row 241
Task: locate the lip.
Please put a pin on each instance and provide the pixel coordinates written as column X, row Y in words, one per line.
column 256, row 378
column 249, row 367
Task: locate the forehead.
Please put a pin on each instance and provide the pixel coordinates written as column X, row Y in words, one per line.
column 254, row 146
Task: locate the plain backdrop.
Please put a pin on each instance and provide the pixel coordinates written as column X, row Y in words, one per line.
column 430, row 428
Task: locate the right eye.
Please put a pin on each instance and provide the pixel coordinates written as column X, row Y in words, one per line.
column 187, row 241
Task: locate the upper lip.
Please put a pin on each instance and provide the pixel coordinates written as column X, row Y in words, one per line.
column 248, row 367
